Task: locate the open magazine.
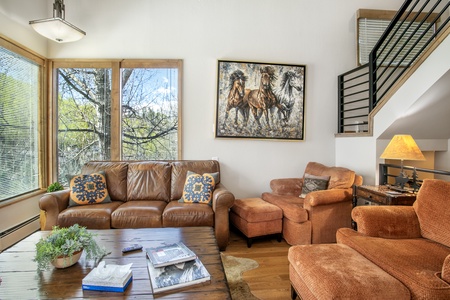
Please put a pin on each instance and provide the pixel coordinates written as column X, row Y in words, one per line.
column 170, row 254
column 177, row 276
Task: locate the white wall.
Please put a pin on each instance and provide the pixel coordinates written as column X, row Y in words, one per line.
column 318, row 34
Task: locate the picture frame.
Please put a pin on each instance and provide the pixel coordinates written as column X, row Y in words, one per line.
column 260, row 100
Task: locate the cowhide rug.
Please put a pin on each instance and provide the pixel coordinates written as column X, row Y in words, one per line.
column 234, row 268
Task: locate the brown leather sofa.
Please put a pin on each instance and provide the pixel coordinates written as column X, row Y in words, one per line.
column 315, row 218
column 144, row 194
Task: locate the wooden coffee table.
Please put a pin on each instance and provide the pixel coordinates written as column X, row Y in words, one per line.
column 20, row 279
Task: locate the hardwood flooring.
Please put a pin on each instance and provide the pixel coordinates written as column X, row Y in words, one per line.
column 271, row 279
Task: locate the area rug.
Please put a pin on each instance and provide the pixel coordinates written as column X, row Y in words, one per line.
column 234, row 268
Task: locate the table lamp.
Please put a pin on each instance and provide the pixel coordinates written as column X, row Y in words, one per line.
column 402, row 147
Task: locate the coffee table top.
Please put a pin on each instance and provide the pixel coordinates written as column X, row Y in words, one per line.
column 20, row 280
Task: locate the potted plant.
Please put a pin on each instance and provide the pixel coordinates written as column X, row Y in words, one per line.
column 63, row 247
column 55, row 186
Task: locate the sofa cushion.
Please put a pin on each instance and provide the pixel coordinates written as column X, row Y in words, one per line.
column 116, row 176
column 199, row 188
column 148, row 180
column 180, row 169
column 178, row 214
column 88, row 189
column 340, row 178
column 433, row 196
column 292, row 206
column 313, row 183
column 138, row 214
column 335, row 271
column 95, row 216
column 415, row 262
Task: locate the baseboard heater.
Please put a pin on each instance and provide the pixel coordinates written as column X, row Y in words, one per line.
column 14, row 234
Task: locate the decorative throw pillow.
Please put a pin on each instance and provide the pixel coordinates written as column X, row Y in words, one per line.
column 313, row 183
column 199, row 188
column 88, row 189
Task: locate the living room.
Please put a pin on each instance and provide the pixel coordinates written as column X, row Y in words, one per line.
column 318, row 34
column 200, row 33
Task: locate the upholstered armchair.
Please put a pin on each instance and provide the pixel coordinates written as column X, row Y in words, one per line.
column 314, row 217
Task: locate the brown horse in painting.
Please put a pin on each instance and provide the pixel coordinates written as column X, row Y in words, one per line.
column 236, row 97
column 260, row 101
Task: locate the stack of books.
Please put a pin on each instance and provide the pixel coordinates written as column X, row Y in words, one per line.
column 174, row 266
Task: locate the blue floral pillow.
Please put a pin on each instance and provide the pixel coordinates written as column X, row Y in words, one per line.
column 88, row 189
column 199, row 188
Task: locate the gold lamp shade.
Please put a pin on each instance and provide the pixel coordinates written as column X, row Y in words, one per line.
column 402, row 147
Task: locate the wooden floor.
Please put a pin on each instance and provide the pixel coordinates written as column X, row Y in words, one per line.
column 271, row 279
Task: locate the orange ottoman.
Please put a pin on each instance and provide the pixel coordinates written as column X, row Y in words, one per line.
column 336, row 271
column 255, row 217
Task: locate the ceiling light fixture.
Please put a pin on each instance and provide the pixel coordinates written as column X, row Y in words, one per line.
column 57, row 28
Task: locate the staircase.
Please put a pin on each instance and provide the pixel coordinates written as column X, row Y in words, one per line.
column 413, row 34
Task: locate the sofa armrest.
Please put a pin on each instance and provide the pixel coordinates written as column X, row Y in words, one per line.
column 222, row 201
column 52, row 204
column 393, row 222
column 327, row 197
column 445, row 274
column 287, row 186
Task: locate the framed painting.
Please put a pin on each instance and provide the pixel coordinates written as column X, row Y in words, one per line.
column 260, row 100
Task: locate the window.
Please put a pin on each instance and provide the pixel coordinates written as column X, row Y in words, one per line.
column 149, row 113
column 95, row 124
column 20, row 98
column 84, row 118
column 372, row 24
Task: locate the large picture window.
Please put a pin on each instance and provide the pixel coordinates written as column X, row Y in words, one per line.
column 84, row 117
column 149, row 113
column 20, row 98
column 142, row 123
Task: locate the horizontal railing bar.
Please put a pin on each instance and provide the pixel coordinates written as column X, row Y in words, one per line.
column 355, row 101
column 356, row 85
column 354, row 117
column 356, row 108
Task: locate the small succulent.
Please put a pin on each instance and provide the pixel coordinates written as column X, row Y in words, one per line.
column 55, row 186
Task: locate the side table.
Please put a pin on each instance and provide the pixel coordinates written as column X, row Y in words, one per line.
column 380, row 195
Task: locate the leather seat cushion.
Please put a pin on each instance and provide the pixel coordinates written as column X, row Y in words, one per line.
column 138, row 214
column 178, row 214
column 92, row 216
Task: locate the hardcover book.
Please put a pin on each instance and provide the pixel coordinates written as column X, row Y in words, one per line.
column 177, row 276
column 110, row 278
column 170, row 254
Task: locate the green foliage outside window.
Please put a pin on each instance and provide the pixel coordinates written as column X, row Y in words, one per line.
column 149, row 116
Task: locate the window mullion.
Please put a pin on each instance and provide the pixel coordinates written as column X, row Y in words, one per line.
column 115, row 113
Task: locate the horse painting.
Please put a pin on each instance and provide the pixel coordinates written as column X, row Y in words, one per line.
column 263, row 99
column 291, row 81
column 236, row 97
column 260, row 100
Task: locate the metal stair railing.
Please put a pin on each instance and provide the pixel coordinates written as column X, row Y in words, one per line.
column 413, row 28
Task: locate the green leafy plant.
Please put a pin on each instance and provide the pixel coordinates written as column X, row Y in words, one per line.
column 65, row 242
column 55, row 186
